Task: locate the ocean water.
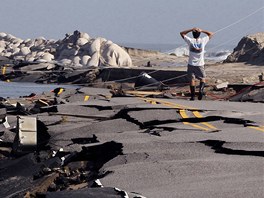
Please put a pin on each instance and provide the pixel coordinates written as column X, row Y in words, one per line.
column 213, row 52
column 15, row 89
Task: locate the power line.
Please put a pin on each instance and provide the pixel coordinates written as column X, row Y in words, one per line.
column 238, row 21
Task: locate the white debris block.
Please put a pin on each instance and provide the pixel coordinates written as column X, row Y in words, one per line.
column 24, row 51
column 221, row 85
column 27, row 131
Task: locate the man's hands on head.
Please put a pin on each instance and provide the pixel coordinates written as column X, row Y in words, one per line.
column 197, row 29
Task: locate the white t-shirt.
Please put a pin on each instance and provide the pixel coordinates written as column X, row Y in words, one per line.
column 196, row 50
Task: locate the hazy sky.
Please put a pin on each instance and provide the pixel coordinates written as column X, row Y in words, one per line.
column 131, row 21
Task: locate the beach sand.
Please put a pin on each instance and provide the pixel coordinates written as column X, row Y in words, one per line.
column 215, row 71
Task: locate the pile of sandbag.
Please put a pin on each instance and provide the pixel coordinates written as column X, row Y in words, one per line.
column 75, row 50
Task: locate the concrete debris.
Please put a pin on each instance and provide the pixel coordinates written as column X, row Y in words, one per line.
column 5, row 123
column 27, row 133
column 146, row 82
column 221, row 86
column 248, row 92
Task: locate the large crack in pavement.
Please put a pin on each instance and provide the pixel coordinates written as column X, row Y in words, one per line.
column 153, row 124
column 218, row 147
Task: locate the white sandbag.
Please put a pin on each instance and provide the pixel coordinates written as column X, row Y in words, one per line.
column 39, row 41
column 85, row 59
column 15, row 45
column 29, row 58
column 9, row 37
column 17, row 41
column 65, row 61
column 20, row 58
column 24, row 51
column 81, row 41
column 15, row 51
column 28, row 43
column 40, row 54
column 76, row 60
column 96, row 45
column 85, row 36
column 114, row 55
column 2, row 35
column 94, row 60
column 7, row 54
column 2, row 44
column 47, row 56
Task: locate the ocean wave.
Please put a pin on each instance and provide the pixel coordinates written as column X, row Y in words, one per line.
column 218, row 55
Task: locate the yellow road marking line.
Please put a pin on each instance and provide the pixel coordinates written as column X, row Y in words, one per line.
column 170, row 104
column 184, row 115
column 182, row 111
column 86, row 98
column 256, row 128
column 198, row 115
column 4, row 70
column 195, row 113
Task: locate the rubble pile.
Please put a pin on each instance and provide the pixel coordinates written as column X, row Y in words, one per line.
column 48, row 73
column 250, row 49
column 68, row 156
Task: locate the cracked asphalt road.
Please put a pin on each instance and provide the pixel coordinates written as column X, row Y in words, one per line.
column 170, row 147
column 191, row 159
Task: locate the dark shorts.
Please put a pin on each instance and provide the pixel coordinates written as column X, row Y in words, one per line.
column 195, row 72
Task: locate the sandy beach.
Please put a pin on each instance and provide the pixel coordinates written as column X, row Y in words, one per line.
column 226, row 72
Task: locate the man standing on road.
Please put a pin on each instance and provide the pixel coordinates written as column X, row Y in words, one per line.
column 196, row 58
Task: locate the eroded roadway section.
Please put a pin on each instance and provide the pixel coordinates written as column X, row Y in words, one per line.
column 156, row 147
